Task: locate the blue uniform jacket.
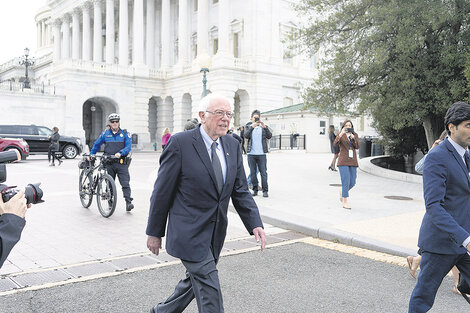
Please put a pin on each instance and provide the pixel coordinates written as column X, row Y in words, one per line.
column 120, row 142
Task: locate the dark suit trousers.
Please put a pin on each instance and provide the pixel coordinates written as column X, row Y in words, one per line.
column 434, row 267
column 202, row 283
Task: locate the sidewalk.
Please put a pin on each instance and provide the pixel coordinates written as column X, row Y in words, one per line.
column 302, row 198
column 60, row 232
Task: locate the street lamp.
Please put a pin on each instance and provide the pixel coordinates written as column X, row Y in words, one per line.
column 204, row 61
column 26, row 62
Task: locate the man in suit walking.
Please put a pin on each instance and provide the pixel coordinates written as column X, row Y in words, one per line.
column 200, row 171
column 444, row 237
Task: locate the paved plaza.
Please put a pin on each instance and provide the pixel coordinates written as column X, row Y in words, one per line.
column 303, row 196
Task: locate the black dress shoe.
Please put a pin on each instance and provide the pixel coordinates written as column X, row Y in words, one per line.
column 255, row 193
column 265, row 194
column 129, row 206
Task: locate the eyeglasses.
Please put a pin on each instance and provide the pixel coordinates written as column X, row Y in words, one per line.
column 115, row 121
column 221, row 113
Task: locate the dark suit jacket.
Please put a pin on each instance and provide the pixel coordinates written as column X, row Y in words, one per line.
column 446, row 184
column 11, row 227
column 185, row 194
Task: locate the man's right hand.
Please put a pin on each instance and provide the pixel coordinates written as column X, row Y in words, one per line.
column 16, row 205
column 154, row 244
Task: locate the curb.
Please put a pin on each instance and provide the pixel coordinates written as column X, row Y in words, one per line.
column 367, row 166
column 336, row 235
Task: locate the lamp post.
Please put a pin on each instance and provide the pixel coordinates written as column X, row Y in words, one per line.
column 204, row 61
column 26, row 62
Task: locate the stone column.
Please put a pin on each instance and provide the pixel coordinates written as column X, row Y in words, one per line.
column 56, row 34
column 165, row 38
column 276, row 54
column 202, row 27
column 150, row 34
column 123, row 32
column 38, row 34
column 97, row 35
column 224, row 20
column 138, row 37
column 183, row 38
column 110, row 31
column 86, row 41
column 76, row 34
column 43, row 32
column 66, row 37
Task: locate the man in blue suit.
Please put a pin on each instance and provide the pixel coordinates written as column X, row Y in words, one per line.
column 200, row 171
column 444, row 236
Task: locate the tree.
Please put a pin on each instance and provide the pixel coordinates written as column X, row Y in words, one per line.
column 402, row 61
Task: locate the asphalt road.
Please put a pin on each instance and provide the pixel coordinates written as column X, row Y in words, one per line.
column 292, row 277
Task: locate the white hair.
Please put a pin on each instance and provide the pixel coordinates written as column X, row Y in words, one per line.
column 206, row 101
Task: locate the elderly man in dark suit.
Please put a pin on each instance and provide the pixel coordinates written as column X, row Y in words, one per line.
column 444, row 237
column 200, row 171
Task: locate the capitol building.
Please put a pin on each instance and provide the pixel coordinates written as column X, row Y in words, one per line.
column 143, row 59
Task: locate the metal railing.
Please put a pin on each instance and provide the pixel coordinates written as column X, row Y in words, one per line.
column 285, row 142
column 19, row 87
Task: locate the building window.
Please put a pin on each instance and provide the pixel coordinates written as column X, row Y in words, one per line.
column 236, row 46
column 195, row 5
column 322, row 127
column 215, row 1
column 288, row 102
column 195, row 51
column 215, row 46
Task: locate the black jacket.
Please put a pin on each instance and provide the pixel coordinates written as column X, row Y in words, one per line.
column 266, row 135
column 11, row 227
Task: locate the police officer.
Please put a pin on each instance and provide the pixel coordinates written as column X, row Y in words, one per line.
column 118, row 143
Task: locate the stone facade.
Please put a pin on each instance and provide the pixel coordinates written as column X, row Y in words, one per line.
column 141, row 58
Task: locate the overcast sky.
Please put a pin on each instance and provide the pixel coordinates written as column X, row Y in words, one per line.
column 17, row 27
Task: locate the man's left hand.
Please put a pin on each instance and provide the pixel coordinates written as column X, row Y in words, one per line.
column 259, row 234
column 117, row 155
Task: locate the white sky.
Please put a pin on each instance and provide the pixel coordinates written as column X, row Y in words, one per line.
column 17, row 27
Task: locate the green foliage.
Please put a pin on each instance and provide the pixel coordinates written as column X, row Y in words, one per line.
column 402, row 61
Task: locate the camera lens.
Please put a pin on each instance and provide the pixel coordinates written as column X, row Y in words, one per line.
column 33, row 194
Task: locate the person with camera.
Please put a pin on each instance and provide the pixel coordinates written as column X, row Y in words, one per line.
column 348, row 142
column 257, row 134
column 117, row 142
column 12, row 223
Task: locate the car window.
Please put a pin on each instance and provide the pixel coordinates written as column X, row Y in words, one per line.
column 9, row 129
column 27, row 130
column 44, row 131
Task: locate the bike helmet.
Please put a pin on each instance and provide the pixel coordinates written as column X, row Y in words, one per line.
column 113, row 116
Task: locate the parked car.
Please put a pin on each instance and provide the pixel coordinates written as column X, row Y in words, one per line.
column 7, row 144
column 38, row 139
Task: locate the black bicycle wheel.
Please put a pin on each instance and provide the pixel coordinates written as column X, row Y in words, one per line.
column 106, row 195
column 85, row 188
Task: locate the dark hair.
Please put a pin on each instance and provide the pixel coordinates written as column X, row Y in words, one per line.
column 331, row 128
column 55, row 129
column 456, row 114
column 344, row 123
column 255, row 112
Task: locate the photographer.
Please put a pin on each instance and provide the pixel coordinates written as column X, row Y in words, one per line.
column 348, row 142
column 12, row 223
column 257, row 134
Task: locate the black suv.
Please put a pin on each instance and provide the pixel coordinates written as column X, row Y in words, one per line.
column 38, row 139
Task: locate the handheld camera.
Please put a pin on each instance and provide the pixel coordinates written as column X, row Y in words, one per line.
column 32, row 192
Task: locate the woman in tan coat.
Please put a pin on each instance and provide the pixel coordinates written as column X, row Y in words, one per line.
column 348, row 142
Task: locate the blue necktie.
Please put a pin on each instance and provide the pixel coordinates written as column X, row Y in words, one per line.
column 467, row 159
column 219, row 177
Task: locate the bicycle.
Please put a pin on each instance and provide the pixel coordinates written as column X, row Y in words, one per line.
column 97, row 183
